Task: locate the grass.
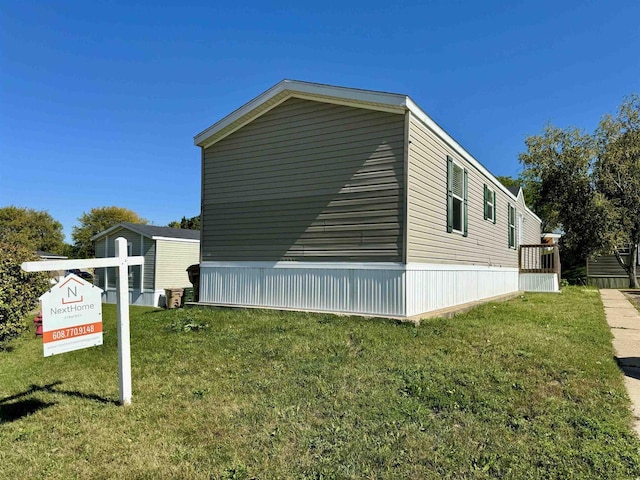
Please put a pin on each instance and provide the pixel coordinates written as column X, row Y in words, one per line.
column 523, row 389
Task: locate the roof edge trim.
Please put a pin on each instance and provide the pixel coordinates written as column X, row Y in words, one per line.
column 353, row 95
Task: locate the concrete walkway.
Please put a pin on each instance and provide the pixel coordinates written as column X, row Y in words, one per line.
column 624, row 321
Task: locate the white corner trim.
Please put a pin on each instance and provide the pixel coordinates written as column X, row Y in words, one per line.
column 172, row 239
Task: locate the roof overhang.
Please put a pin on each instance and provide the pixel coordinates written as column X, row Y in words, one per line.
column 353, row 97
column 286, row 89
column 175, row 239
column 107, row 231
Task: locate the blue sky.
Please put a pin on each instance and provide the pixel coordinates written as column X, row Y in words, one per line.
column 99, row 101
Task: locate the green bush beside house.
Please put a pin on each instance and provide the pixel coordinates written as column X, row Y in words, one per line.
column 19, row 290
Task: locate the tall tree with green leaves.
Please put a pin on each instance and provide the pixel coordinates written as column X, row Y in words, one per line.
column 33, row 229
column 192, row 223
column 589, row 185
column 98, row 220
column 530, row 189
column 617, row 175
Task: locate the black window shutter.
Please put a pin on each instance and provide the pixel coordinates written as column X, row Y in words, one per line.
column 466, row 209
column 486, row 199
column 449, row 194
column 509, row 223
column 495, row 207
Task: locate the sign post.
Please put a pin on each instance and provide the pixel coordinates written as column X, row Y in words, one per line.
column 121, row 261
column 124, row 335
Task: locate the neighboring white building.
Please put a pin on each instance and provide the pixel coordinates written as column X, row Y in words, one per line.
column 167, row 253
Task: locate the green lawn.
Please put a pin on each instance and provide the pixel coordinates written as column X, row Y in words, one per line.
column 523, row 389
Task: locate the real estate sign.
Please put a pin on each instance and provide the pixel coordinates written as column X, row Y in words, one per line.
column 71, row 316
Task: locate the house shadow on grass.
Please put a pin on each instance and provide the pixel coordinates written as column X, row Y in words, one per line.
column 17, row 406
column 630, row 366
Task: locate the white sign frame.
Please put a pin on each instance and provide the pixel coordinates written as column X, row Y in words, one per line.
column 121, row 261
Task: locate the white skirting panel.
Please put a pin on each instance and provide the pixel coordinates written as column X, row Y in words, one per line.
column 350, row 290
column 539, row 282
column 149, row 299
column 393, row 290
column 432, row 286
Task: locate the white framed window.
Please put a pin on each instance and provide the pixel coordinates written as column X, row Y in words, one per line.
column 457, row 214
column 489, row 204
column 511, row 222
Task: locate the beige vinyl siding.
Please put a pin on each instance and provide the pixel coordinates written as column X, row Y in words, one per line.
column 173, row 258
column 306, row 181
column 532, row 227
column 428, row 239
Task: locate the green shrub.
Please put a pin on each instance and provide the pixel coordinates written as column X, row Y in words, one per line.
column 19, row 290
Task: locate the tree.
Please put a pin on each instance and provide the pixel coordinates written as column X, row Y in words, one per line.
column 530, row 190
column 617, row 173
column 19, row 290
column 98, row 220
column 508, row 181
column 192, row 223
column 33, row 229
column 589, row 185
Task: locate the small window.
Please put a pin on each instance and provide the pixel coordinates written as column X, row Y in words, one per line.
column 512, row 226
column 489, row 204
column 456, row 198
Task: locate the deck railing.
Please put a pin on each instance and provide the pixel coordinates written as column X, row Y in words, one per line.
column 542, row 258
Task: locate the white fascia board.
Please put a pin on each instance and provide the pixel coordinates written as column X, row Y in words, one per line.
column 357, row 266
column 314, row 265
column 173, row 239
column 350, row 96
column 106, row 232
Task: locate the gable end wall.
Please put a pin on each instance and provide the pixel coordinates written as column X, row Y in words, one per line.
column 306, row 181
